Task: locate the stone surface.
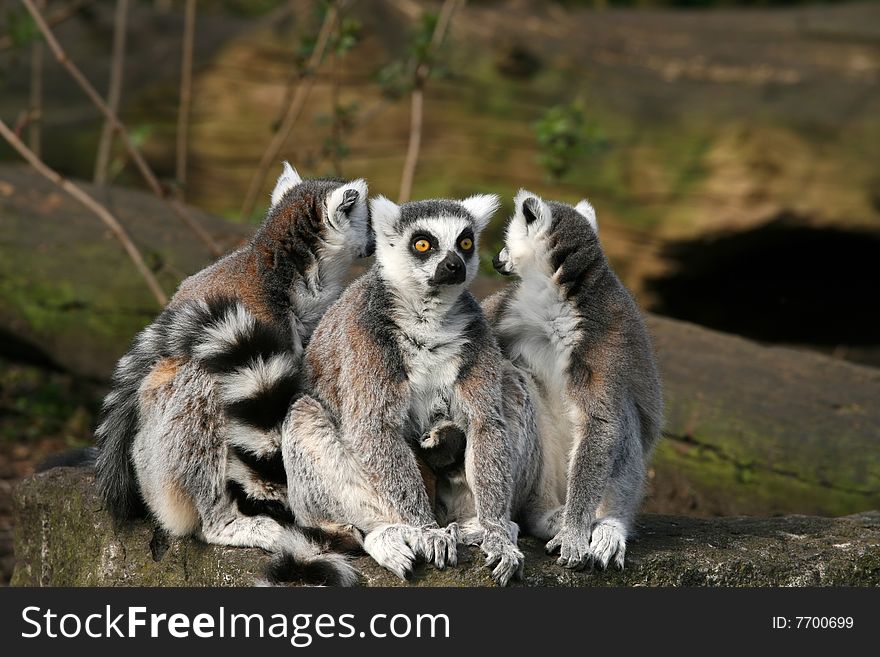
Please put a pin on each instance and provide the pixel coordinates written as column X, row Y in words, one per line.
column 763, row 430
column 69, row 295
column 63, row 538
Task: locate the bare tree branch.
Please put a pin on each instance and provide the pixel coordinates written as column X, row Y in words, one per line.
column 117, row 68
column 152, row 182
column 56, row 18
column 35, row 109
column 102, row 213
column 293, row 111
column 185, row 91
column 417, row 101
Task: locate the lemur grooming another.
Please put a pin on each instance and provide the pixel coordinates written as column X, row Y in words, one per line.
column 191, row 429
column 405, row 347
column 572, row 325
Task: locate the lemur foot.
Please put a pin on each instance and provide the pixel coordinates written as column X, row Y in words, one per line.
column 437, row 434
column 390, row 547
column 502, row 553
column 574, row 547
column 439, row 546
column 608, row 541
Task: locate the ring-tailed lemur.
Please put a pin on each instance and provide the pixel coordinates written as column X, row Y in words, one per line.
column 575, row 328
column 191, row 428
column 404, row 345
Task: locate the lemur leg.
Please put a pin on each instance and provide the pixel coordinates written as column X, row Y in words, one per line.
column 180, row 459
column 328, row 483
column 590, row 466
column 618, row 508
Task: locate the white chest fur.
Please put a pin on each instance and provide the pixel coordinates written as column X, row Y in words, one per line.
column 540, row 328
column 431, row 348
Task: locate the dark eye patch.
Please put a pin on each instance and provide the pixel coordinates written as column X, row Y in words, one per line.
column 468, row 234
column 422, row 255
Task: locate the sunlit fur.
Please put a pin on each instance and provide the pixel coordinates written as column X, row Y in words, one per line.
column 405, row 347
column 191, row 429
column 571, row 325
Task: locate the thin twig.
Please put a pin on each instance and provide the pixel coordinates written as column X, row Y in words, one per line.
column 56, row 18
column 152, row 182
column 35, row 110
column 102, row 213
column 293, row 111
column 120, row 20
column 185, row 91
column 417, row 100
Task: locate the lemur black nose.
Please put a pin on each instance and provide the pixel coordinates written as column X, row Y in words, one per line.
column 450, row 270
column 452, row 265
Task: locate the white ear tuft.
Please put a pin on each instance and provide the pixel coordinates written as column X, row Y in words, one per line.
column 345, row 199
column 481, row 207
column 587, row 212
column 288, row 179
column 531, row 205
column 384, row 214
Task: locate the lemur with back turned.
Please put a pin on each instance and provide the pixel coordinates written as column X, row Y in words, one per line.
column 405, row 349
column 191, row 429
column 572, row 325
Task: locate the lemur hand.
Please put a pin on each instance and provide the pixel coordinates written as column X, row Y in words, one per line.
column 438, row 545
column 502, row 553
column 573, row 544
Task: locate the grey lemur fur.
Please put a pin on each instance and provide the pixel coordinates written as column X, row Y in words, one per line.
column 406, row 344
column 191, row 429
column 571, row 324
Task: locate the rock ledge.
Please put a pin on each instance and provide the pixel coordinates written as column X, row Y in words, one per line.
column 64, row 538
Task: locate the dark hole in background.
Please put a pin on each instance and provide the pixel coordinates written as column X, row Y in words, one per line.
column 781, row 283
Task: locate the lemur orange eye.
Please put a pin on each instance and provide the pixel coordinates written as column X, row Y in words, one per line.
column 421, row 245
column 466, row 244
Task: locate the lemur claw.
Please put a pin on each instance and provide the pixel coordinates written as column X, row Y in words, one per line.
column 501, row 552
column 439, row 546
column 574, row 548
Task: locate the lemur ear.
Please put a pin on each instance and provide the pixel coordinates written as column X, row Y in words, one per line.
column 347, row 199
column 587, row 212
column 289, row 178
column 384, row 213
column 530, row 206
column 481, row 207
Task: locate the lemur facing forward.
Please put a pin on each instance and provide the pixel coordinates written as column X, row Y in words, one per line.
column 191, row 428
column 575, row 328
column 405, row 345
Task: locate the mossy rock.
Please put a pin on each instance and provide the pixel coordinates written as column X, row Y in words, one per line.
column 764, row 430
column 69, row 295
column 64, row 538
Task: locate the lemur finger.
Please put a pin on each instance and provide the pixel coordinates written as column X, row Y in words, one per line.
column 506, row 568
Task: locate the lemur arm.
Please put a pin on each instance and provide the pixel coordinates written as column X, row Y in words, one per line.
column 598, row 436
column 488, row 453
column 372, row 429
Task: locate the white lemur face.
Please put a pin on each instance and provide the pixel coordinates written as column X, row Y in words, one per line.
column 430, row 246
column 345, row 227
column 528, row 238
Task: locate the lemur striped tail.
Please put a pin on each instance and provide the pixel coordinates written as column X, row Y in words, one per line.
column 114, row 471
column 258, row 376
